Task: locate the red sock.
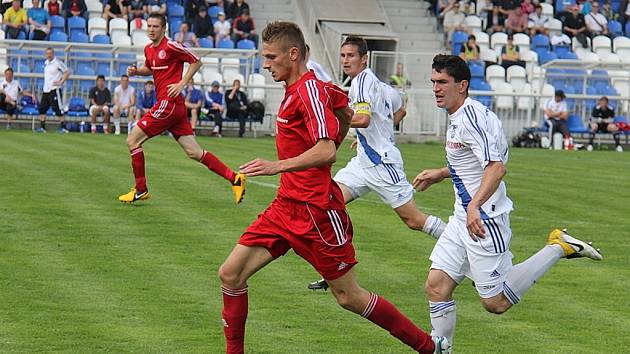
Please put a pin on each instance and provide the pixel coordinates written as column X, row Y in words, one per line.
column 387, row 316
column 234, row 317
column 137, row 164
column 216, row 166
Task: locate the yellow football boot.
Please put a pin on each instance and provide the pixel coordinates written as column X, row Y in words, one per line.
column 572, row 247
column 132, row 196
column 238, row 187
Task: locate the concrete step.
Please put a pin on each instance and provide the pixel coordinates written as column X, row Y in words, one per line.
column 426, row 36
column 257, row 7
column 418, row 45
column 406, row 4
column 415, row 29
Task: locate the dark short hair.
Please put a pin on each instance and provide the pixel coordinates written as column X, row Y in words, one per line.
column 100, row 77
column 245, row 12
column 560, row 93
column 472, row 36
column 357, row 41
column 538, row 6
column 149, row 82
column 454, row 66
column 288, row 34
column 159, row 16
column 124, row 76
column 604, row 98
column 8, row 69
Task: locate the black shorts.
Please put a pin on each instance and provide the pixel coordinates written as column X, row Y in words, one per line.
column 51, row 99
column 602, row 128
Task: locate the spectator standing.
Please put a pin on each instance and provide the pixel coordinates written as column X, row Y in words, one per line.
column 194, row 101
column 470, row 50
column 74, row 8
column 215, row 105
column 100, row 100
column 556, row 114
column 124, row 102
column 53, row 8
column 14, row 20
column 39, row 21
column 516, row 21
column 596, row 23
column 399, row 79
column 10, row 91
column 158, row 6
column 496, row 20
column 537, row 21
column 575, row 26
column 510, row 54
column 236, row 9
column 146, row 99
column 222, row 27
column 244, row 28
column 602, row 121
column 314, row 66
column 185, row 37
column 116, row 9
column 236, row 102
column 202, row 24
column 453, row 21
column 624, row 12
column 56, row 73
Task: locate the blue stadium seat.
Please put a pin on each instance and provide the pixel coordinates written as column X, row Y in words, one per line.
column 620, row 119
column 614, row 6
column 175, row 12
column 77, row 108
column 79, row 37
column 546, row 56
column 58, row 37
column 614, row 27
column 458, row 39
column 29, row 107
column 560, row 4
column 76, row 24
column 540, row 41
column 245, row 44
column 477, row 71
column 57, row 24
column 103, row 68
column 173, row 26
column 226, row 44
column 206, row 43
column 575, row 124
column 561, row 50
column 24, row 67
column 213, row 12
column 101, row 39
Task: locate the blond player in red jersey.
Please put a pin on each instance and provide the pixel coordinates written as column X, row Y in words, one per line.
column 308, row 214
column 165, row 61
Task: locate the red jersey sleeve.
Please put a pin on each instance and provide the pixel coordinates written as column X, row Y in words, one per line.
column 147, row 61
column 319, row 118
column 338, row 98
column 182, row 53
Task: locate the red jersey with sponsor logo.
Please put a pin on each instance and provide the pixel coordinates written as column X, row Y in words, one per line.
column 167, row 63
column 306, row 116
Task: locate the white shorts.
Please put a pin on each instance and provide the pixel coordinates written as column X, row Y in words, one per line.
column 387, row 180
column 93, row 107
column 486, row 261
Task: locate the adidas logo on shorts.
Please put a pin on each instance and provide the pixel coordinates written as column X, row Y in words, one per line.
column 342, row 265
column 494, row 274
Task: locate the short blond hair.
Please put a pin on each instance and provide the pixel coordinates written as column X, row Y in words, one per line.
column 288, row 34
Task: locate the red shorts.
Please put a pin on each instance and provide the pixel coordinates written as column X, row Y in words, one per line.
column 322, row 237
column 166, row 115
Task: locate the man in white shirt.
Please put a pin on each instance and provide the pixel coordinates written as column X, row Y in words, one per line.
column 314, row 66
column 536, row 21
column 596, row 23
column 476, row 241
column 55, row 75
column 222, row 28
column 453, row 21
column 10, row 90
column 124, row 102
column 556, row 114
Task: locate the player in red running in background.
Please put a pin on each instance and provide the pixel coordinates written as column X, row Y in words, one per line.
column 165, row 61
column 308, row 214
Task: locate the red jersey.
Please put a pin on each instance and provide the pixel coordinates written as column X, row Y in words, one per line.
column 167, row 63
column 305, row 117
column 338, row 97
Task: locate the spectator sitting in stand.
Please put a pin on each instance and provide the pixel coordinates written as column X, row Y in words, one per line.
column 192, row 9
column 185, row 37
column 194, row 101
column 116, row 9
column 560, row 39
column 203, row 25
column 124, row 102
column 158, row 6
column 136, row 10
column 596, row 23
column 556, row 114
column 537, row 21
column 398, row 79
column 453, row 21
column 602, row 122
column 236, row 102
column 146, row 100
column 575, row 26
column 516, row 21
column 510, row 54
column 222, row 28
column 14, row 20
column 244, row 28
column 496, row 20
column 74, row 8
column 470, row 50
column 39, row 21
column 527, row 7
column 100, row 99
column 236, row 9
column 215, row 105
column 53, row 8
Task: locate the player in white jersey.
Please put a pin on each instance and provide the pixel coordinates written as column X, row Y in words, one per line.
column 476, row 241
column 378, row 165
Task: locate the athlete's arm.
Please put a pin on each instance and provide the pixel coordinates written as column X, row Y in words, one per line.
column 490, row 181
column 176, row 89
column 141, row 71
column 426, row 178
column 399, row 115
column 344, row 116
column 323, row 153
column 361, row 117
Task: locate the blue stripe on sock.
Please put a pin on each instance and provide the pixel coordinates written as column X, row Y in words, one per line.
column 510, row 294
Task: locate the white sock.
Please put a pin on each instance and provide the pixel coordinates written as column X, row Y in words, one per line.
column 443, row 315
column 117, row 125
column 434, row 226
column 525, row 274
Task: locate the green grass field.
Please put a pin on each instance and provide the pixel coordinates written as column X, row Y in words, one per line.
column 82, row 273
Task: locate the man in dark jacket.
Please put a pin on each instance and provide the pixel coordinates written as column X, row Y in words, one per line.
column 202, row 25
column 236, row 102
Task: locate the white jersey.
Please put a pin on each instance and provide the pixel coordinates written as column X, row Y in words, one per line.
column 376, row 142
column 473, row 139
column 319, row 71
column 53, row 72
column 124, row 96
column 11, row 89
column 394, row 97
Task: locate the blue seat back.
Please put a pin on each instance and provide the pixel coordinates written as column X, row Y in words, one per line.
column 246, row 44
column 226, row 44
column 206, row 43
column 100, row 39
column 58, row 37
